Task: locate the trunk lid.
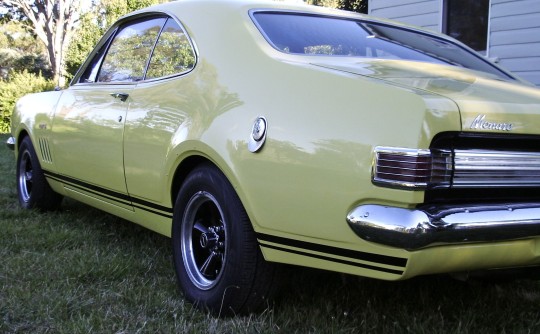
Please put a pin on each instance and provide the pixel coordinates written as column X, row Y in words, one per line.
column 486, row 103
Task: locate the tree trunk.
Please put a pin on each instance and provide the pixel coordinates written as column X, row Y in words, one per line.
column 53, row 21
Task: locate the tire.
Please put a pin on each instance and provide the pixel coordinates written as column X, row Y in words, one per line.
column 218, row 262
column 32, row 188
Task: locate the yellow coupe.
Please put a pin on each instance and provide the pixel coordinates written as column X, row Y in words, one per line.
column 255, row 133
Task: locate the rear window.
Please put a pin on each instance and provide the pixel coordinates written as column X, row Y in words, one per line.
column 304, row 34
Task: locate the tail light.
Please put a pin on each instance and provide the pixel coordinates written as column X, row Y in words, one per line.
column 410, row 168
column 437, row 168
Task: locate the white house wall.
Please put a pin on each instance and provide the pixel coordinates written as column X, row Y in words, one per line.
column 423, row 13
column 514, row 36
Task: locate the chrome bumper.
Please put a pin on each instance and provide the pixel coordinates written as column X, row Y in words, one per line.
column 414, row 229
column 10, row 143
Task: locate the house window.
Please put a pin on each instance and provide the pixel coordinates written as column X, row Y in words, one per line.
column 467, row 21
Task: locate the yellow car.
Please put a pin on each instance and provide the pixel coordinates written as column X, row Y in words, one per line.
column 256, row 133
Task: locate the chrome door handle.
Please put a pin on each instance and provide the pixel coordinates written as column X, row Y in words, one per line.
column 122, row 96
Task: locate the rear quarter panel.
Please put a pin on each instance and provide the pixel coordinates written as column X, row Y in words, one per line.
column 322, row 128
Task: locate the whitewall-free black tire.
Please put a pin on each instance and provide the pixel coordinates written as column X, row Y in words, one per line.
column 218, row 262
column 32, row 188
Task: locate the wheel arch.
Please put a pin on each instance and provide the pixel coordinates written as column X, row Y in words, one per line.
column 196, row 159
column 182, row 171
column 20, row 137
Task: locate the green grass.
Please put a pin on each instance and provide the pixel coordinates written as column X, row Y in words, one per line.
column 83, row 271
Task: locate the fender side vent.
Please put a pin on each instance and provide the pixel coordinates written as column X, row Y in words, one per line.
column 45, row 151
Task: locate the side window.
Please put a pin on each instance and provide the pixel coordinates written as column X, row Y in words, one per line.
column 91, row 71
column 173, row 53
column 130, row 50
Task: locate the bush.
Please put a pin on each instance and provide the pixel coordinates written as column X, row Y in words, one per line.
column 18, row 85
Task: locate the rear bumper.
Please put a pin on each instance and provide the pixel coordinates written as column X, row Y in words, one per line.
column 414, row 229
column 10, row 143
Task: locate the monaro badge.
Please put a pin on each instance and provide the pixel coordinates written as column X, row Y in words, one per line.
column 480, row 123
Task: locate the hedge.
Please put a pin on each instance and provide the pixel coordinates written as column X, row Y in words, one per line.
column 18, row 85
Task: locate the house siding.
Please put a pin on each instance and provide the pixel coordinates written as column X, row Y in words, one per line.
column 423, row 13
column 513, row 34
column 514, row 37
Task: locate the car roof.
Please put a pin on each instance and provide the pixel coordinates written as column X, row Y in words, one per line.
column 242, row 5
column 180, row 8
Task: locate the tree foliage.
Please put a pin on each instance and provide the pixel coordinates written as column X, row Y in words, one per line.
column 53, row 22
column 94, row 23
column 19, row 51
column 87, row 35
column 19, row 85
column 360, row 6
column 113, row 9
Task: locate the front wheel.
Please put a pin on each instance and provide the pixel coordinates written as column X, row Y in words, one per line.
column 218, row 263
column 32, row 187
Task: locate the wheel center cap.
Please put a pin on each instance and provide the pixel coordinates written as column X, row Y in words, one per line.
column 208, row 240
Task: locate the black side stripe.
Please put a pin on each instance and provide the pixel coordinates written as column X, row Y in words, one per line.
column 111, row 195
column 350, row 263
column 94, row 192
column 95, row 188
column 363, row 256
column 166, row 215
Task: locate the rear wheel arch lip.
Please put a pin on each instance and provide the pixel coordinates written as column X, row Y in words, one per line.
column 190, row 161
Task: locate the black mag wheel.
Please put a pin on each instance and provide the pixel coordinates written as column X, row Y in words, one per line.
column 32, row 188
column 218, row 262
column 25, row 180
column 203, row 240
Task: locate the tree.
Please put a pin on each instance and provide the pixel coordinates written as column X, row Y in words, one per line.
column 325, row 3
column 53, row 22
column 359, row 6
column 19, row 51
column 93, row 25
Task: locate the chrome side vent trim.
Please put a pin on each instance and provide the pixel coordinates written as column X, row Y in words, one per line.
column 45, row 150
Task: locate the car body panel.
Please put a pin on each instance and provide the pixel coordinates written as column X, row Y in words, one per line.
column 95, row 154
column 475, row 93
column 325, row 117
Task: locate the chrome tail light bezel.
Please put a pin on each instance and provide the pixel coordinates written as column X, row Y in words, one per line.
column 396, row 167
column 459, row 168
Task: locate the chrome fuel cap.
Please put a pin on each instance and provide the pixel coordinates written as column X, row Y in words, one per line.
column 258, row 134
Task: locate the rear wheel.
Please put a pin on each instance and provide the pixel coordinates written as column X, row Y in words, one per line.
column 218, row 263
column 32, row 187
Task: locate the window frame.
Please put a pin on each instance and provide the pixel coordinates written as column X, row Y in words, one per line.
column 445, row 13
column 156, row 44
column 97, row 55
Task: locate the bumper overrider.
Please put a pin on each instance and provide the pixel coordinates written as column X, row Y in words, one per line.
column 417, row 228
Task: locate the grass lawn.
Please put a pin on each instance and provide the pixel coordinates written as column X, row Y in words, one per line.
column 83, row 271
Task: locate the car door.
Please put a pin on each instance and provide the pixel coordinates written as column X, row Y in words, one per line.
column 88, row 129
column 161, row 104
